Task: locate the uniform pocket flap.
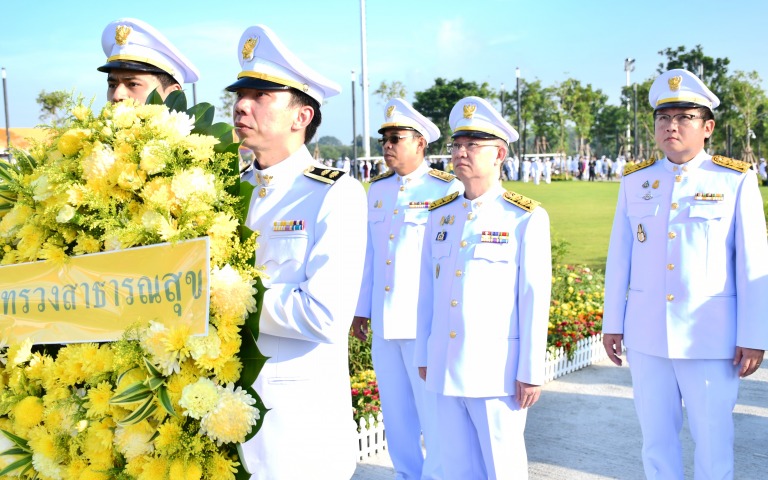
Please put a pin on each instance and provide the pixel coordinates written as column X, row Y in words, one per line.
column 494, row 252
column 284, row 246
column 642, row 209
column 707, row 211
column 416, row 216
column 375, row 216
column 441, row 249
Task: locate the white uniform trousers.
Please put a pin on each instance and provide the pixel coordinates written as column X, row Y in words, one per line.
column 409, row 410
column 482, row 438
column 709, row 389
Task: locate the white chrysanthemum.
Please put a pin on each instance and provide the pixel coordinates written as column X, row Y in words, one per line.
column 199, row 398
column 207, row 345
column 42, row 189
column 124, row 114
column 152, row 221
column 155, row 343
column 173, row 124
column 152, row 157
column 23, row 354
column 134, row 440
column 112, row 242
column 194, row 183
column 97, row 164
column 231, row 295
column 232, row 418
column 66, row 213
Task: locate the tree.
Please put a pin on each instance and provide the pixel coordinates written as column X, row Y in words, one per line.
column 329, row 140
column 645, row 134
column 437, row 101
column 227, row 99
column 388, row 91
column 51, row 104
column 579, row 104
column 745, row 98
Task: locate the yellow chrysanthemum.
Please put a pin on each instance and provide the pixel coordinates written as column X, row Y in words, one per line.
column 154, row 469
column 75, row 468
column 86, row 244
column 221, row 467
column 153, row 156
column 168, row 437
column 200, row 147
column 97, row 404
column 81, row 112
column 45, row 454
column 229, row 371
column 27, row 413
column 231, row 295
column 232, row 418
column 185, row 470
column 94, row 472
column 71, row 141
column 97, row 447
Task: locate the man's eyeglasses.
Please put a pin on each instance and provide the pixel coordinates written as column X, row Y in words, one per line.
column 683, row 119
column 469, row 146
column 393, row 139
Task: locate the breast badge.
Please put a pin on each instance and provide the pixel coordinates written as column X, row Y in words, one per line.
column 640, row 233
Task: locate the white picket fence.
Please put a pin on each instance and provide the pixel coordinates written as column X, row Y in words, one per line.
column 372, row 438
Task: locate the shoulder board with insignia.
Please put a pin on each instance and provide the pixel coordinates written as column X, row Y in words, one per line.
column 632, row 168
column 443, row 201
column 325, row 175
column 726, row 162
column 444, row 176
column 382, row 176
column 521, row 201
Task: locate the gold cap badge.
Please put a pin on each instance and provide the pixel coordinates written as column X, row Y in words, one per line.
column 674, row 83
column 248, row 47
column 121, row 34
column 390, row 111
column 469, row 110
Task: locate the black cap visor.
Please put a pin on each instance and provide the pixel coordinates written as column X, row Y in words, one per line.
column 680, row 105
column 128, row 65
column 475, row 134
column 392, row 128
column 256, row 84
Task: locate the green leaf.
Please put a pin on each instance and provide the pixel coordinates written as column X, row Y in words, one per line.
column 120, row 377
column 176, row 100
column 152, row 369
column 136, row 392
column 15, row 451
column 262, row 410
column 18, row 441
column 25, row 460
column 242, row 473
column 154, row 98
column 145, row 409
column 251, row 358
column 165, row 400
column 203, row 113
column 155, row 382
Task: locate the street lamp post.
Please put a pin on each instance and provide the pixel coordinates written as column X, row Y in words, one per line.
column 502, row 99
column 354, row 122
column 637, row 143
column 7, row 125
column 517, row 87
column 629, row 66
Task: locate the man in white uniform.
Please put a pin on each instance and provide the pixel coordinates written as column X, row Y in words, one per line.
column 484, row 357
column 526, row 167
column 398, row 203
column 311, row 221
column 686, row 283
column 140, row 59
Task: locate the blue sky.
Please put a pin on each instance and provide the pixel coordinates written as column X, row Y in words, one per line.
column 55, row 45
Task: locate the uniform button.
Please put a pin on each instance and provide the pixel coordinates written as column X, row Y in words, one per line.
column 464, row 204
column 262, row 192
column 674, row 169
column 391, row 236
column 402, row 188
column 470, row 215
column 670, row 267
column 685, row 168
column 454, row 303
column 386, row 289
column 678, row 178
column 674, row 205
column 670, row 297
column 458, row 273
column 463, row 243
column 395, row 211
column 389, row 262
column 671, row 235
column 452, row 334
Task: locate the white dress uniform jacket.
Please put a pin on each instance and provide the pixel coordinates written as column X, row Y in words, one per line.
column 312, row 244
column 687, row 269
column 488, row 263
column 397, row 214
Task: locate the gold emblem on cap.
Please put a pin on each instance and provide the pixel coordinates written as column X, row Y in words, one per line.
column 121, row 34
column 469, row 110
column 390, row 111
column 674, row 83
column 248, row 47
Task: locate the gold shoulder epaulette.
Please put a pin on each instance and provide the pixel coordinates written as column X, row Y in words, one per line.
column 738, row 165
column 521, row 201
column 382, row 176
column 443, row 201
column 632, row 168
column 444, row 176
column 325, row 175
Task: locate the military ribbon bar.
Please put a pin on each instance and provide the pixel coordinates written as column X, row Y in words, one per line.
column 288, row 225
column 494, row 237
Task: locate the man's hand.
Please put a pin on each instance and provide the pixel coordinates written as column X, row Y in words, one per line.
column 750, row 360
column 423, row 373
column 612, row 345
column 360, row 328
column 526, row 393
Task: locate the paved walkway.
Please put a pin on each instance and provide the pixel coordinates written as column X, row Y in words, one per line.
column 584, row 427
